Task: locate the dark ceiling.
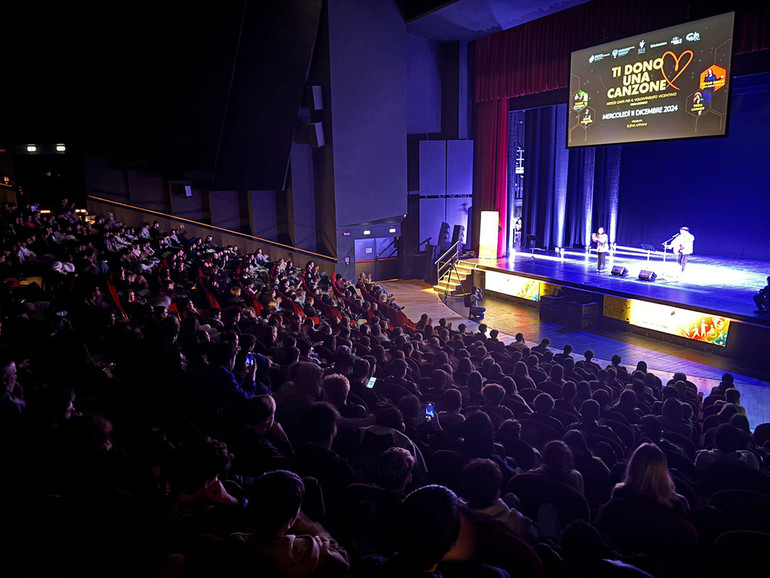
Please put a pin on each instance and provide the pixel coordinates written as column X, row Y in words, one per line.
column 470, row 19
column 86, row 68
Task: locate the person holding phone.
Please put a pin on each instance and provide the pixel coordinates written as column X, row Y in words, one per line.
column 475, row 311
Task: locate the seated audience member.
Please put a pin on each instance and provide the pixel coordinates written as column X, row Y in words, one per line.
column 198, row 500
column 12, row 404
column 493, row 395
column 626, row 406
column 387, row 431
column 479, row 442
column 260, row 438
column 480, row 486
column 536, row 372
column 728, row 381
column 509, row 436
column 648, row 479
column 472, row 392
column 542, row 347
column 451, row 416
column 435, row 539
column 314, row 456
column 336, row 388
column 620, row 370
column 733, row 396
column 566, row 353
column 589, row 421
column 543, row 405
column 521, row 376
column 216, row 389
column 587, row 552
column 394, row 470
column 566, row 403
column 373, row 526
column 672, row 419
column 559, row 464
column 596, row 474
column 281, row 536
column 588, row 362
column 730, row 450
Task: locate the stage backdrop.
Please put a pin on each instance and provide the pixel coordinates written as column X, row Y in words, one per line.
column 643, row 193
column 718, row 187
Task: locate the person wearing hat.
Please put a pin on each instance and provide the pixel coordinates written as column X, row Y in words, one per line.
column 682, row 245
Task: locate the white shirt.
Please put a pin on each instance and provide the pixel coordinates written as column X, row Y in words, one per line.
column 602, row 242
column 683, row 243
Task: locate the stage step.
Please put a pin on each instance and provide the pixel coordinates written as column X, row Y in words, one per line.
column 452, row 280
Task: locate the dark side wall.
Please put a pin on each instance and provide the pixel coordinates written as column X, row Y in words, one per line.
column 367, row 68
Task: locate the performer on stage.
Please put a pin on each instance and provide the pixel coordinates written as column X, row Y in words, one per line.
column 602, row 241
column 682, row 245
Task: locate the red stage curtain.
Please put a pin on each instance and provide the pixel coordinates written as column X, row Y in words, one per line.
column 534, row 57
column 491, row 159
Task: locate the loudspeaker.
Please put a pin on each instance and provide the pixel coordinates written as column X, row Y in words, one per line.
column 180, row 188
column 647, row 275
column 619, row 271
column 315, row 97
column 317, row 134
column 458, row 234
column 443, row 237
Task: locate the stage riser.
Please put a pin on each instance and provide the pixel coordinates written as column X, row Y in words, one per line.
column 747, row 344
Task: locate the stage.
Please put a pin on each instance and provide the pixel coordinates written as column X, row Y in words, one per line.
column 716, row 285
column 709, row 307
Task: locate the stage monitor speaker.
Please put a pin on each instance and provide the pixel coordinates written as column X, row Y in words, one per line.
column 645, row 275
column 619, row 271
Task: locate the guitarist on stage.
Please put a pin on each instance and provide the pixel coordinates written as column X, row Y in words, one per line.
column 682, row 245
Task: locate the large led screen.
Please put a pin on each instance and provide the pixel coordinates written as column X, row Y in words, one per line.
column 668, row 84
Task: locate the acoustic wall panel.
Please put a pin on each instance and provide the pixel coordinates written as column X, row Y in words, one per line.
column 459, row 167
column 433, row 158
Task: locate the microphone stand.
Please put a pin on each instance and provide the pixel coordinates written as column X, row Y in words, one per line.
column 665, row 244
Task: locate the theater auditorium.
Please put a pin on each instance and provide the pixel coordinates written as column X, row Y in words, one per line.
column 376, row 288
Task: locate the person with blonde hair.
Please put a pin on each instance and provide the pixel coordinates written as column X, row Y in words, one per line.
column 648, row 479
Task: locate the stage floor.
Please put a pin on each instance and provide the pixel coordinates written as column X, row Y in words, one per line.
column 715, row 285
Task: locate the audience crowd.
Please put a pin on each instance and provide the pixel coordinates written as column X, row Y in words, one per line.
column 175, row 408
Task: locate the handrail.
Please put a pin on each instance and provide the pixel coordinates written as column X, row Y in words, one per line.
column 392, row 242
column 207, row 226
column 423, row 242
column 436, row 262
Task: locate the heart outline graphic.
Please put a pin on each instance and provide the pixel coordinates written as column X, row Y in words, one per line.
column 677, row 60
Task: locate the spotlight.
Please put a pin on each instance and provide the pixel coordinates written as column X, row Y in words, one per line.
column 31, row 148
column 60, row 148
column 391, row 230
column 367, row 232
